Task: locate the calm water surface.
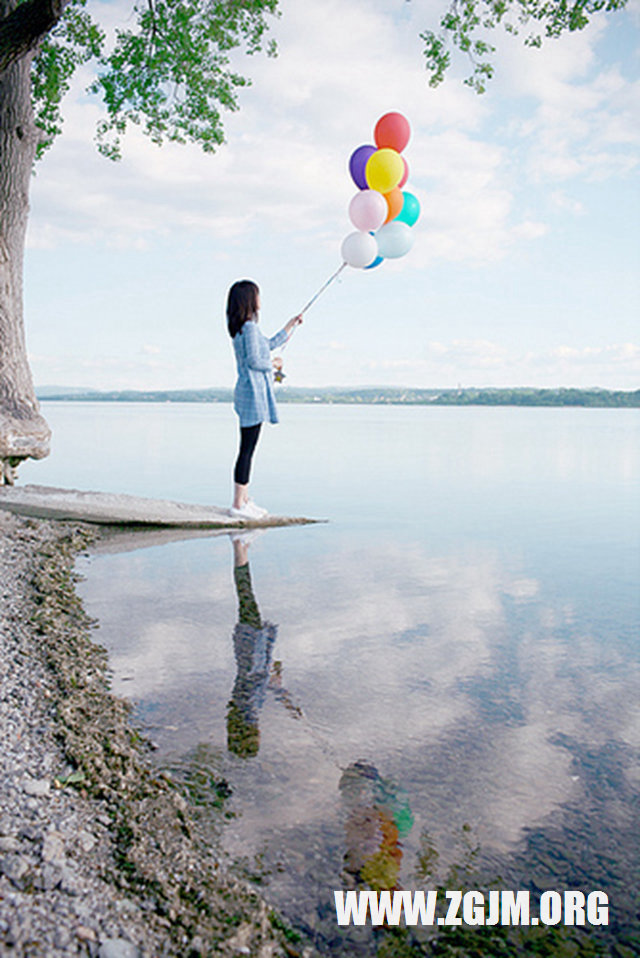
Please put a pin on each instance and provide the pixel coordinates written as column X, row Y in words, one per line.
column 443, row 676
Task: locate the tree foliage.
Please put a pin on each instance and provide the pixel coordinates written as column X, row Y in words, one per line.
column 73, row 41
column 467, row 24
column 168, row 70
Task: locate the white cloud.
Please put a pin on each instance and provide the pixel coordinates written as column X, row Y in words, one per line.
column 585, row 120
column 565, row 202
column 438, row 365
column 485, row 363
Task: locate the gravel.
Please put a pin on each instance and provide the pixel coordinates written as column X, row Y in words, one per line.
column 53, row 900
column 69, row 885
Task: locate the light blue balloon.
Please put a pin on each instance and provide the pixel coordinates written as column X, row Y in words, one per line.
column 394, row 240
column 410, row 211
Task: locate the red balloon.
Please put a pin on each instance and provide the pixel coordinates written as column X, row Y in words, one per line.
column 405, row 176
column 393, row 131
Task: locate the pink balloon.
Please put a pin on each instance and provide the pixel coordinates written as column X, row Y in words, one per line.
column 368, row 210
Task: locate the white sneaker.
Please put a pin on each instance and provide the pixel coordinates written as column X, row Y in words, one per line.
column 263, row 512
column 249, row 510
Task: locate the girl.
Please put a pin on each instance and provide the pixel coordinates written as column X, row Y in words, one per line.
column 254, row 398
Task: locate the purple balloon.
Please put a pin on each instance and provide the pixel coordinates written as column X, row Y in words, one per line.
column 357, row 163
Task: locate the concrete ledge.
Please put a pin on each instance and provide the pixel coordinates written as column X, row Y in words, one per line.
column 106, row 508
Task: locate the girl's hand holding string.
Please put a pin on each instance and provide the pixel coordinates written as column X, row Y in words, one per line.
column 291, row 325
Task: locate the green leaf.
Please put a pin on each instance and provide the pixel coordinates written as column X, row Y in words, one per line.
column 465, row 24
column 74, row 778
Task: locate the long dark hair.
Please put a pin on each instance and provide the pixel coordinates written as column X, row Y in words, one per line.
column 242, row 305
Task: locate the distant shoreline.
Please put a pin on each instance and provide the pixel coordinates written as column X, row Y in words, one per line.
column 369, row 395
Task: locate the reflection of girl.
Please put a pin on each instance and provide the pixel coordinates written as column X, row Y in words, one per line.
column 254, row 398
column 253, row 642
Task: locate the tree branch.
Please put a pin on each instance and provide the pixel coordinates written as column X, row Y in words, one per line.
column 25, row 26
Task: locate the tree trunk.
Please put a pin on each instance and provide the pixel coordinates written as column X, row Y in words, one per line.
column 23, row 431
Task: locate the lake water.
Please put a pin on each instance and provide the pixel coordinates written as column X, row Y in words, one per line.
column 440, row 683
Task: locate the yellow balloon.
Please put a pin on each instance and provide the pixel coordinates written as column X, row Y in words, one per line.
column 384, row 170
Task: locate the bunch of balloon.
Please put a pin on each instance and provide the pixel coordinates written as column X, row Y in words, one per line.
column 382, row 212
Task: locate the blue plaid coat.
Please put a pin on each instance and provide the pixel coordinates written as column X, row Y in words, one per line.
column 254, row 399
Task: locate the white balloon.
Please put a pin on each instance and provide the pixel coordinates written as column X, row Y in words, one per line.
column 368, row 210
column 359, row 249
column 394, row 240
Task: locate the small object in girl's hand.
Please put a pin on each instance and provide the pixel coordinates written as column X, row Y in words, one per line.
column 279, row 375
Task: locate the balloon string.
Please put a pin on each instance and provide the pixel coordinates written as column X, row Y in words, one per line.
column 311, row 302
column 322, row 288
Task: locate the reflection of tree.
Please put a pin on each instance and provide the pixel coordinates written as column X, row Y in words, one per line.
column 378, row 815
column 428, row 858
column 462, row 868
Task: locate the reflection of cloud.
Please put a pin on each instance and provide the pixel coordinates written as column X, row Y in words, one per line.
column 521, row 589
column 394, row 656
column 509, row 780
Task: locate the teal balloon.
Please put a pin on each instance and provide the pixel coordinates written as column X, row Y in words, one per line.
column 376, row 262
column 410, row 211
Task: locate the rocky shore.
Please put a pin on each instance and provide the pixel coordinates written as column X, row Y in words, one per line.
column 99, row 854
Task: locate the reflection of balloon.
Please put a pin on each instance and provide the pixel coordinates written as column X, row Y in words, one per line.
column 359, row 249
column 395, row 200
column 394, row 240
column 410, row 209
column 357, row 164
column 405, row 175
column 368, row 210
column 384, row 170
column 392, row 130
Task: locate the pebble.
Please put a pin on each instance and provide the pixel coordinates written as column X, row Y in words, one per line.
column 86, row 934
column 69, row 881
column 53, row 848
column 87, row 840
column 6, row 825
column 49, row 877
column 38, row 788
column 14, row 868
column 117, row 948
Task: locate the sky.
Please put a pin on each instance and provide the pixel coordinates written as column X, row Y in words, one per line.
column 524, row 269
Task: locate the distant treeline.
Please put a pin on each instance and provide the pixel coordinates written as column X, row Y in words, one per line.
column 370, row 395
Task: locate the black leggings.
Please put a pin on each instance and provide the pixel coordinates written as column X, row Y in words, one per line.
column 248, row 440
